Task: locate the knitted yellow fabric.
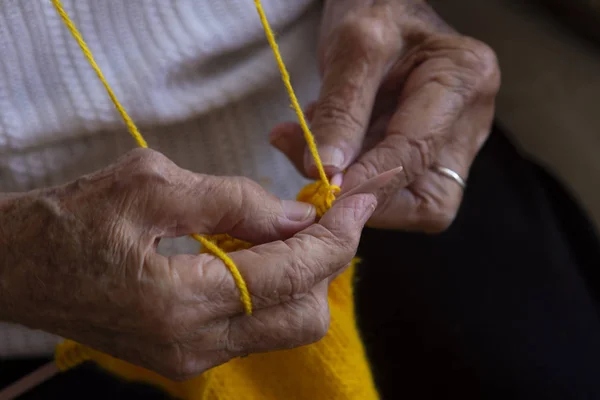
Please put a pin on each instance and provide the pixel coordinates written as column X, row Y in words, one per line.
column 333, row 368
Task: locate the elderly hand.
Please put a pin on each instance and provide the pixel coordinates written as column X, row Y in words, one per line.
column 80, row 261
column 400, row 88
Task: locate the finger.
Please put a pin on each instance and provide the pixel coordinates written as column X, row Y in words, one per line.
column 309, row 112
column 460, row 77
column 418, row 129
column 289, row 140
column 285, row 326
column 356, row 61
column 431, row 202
column 238, row 206
column 279, row 271
column 338, row 179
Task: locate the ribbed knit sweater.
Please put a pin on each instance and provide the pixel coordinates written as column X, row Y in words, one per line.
column 197, row 76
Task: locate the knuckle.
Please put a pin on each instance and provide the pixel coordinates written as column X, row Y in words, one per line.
column 417, row 154
column 482, row 62
column 328, row 253
column 242, row 187
column 244, row 183
column 333, row 112
column 250, row 190
column 318, row 326
column 440, row 222
column 360, row 49
column 368, row 37
column 369, row 167
column 438, row 215
column 147, row 159
column 228, row 191
column 343, row 243
column 147, row 168
column 300, row 278
column 308, row 321
column 468, row 66
column 179, row 367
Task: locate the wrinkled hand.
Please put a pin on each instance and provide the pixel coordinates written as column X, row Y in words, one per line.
column 400, row 88
column 81, row 262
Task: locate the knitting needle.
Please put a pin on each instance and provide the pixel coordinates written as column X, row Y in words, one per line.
column 30, row 381
column 372, row 185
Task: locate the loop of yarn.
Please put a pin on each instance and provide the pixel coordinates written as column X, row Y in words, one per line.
column 69, row 354
column 137, row 136
column 226, row 243
column 336, row 367
column 320, row 194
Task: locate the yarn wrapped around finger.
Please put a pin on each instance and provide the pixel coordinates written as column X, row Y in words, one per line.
column 335, row 367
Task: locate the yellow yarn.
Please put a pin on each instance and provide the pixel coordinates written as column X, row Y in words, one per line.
column 320, row 195
column 333, row 368
column 88, row 54
column 285, row 76
column 133, row 130
column 209, row 246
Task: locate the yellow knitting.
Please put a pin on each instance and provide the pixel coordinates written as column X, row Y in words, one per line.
column 333, row 368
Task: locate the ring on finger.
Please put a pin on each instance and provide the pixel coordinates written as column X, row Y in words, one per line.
column 450, row 174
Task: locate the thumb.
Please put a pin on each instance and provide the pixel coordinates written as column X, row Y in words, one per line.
column 236, row 206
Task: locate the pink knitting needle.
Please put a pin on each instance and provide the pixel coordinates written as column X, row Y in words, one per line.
column 30, row 381
column 372, row 185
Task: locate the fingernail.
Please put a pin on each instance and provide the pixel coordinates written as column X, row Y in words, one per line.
column 297, row 211
column 337, row 179
column 331, row 157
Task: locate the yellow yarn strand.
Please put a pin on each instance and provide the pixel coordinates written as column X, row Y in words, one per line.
column 335, row 367
column 233, row 269
column 212, row 248
column 285, row 76
column 88, row 54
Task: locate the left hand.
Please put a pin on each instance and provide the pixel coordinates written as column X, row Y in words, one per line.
column 400, row 88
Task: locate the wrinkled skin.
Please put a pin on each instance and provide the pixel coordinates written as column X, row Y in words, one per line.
column 400, row 89
column 80, row 261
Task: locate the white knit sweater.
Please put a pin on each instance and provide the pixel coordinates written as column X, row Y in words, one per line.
column 197, row 76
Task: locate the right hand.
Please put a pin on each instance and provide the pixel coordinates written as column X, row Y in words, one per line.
column 82, row 263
